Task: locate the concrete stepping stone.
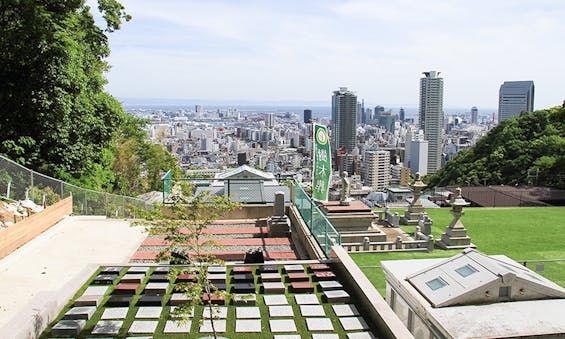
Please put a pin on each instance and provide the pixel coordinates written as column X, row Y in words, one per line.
column 247, row 287
column 306, row 299
column 112, row 270
column 287, row 336
column 353, row 323
column 68, row 327
column 172, row 326
column 248, row 326
column 269, row 269
column 281, row 311
column 126, row 288
column 293, row 268
column 150, row 300
column 104, row 279
column 154, row 288
column 215, row 312
column 241, row 269
column 330, row 285
column 178, row 299
column 115, row 313
column 279, row 299
column 324, row 336
column 319, row 324
column 88, row 300
column 118, row 300
column 324, row 275
column 302, row 286
column 319, row 267
column 243, row 277
column 361, row 335
column 149, row 312
column 247, row 313
column 159, row 278
column 345, row 310
column 219, row 325
column 273, row 287
column 282, row 325
column 244, row 299
column 132, row 278
column 270, row 277
column 107, row 327
column 312, row 311
column 143, row 326
column 162, row 269
column 188, row 310
column 96, row 290
column 138, row 269
column 336, row 296
column 217, row 269
column 298, row 276
column 80, row 312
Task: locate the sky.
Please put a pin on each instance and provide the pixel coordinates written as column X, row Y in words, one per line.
column 300, row 51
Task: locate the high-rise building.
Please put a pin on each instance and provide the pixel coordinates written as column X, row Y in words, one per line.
column 419, row 157
column 344, row 118
column 431, row 116
column 377, row 169
column 307, row 116
column 474, row 115
column 270, row 120
column 402, row 114
column 514, row 98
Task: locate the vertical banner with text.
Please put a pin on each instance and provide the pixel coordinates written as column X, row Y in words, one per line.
column 322, row 164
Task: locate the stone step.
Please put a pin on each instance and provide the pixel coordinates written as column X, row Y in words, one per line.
column 227, row 241
column 150, row 256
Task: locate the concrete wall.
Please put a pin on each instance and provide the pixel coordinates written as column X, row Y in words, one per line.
column 401, row 308
column 373, row 306
column 302, row 237
column 15, row 236
column 250, row 211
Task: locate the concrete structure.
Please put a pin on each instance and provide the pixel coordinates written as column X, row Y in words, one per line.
column 455, row 236
column 514, row 98
column 344, row 120
column 416, row 208
column 431, row 116
column 474, row 115
column 472, row 295
column 419, row 157
column 377, row 169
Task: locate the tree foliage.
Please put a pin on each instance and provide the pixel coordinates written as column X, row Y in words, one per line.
column 528, row 149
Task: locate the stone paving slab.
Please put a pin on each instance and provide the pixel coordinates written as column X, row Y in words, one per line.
column 216, row 312
column 248, row 325
column 219, row 325
column 273, row 287
column 178, row 299
column 96, row 290
column 337, row 296
column 162, row 269
column 150, row 300
column 138, row 269
column 172, row 326
column 159, row 278
column 312, row 311
column 190, row 313
column 104, row 279
column 118, row 300
column 281, row 311
column 132, row 278
column 282, row 325
column 324, row 336
column 273, row 276
column 353, row 323
column 156, row 288
column 319, row 324
column 361, row 335
column 143, row 326
column 287, row 336
column 68, row 327
column 88, row 300
column 107, row 327
column 278, row 299
column 293, row 268
column 247, row 313
column 214, row 277
column 330, row 285
column 345, row 310
column 115, row 313
column 306, row 299
column 149, row 312
column 80, row 312
column 217, row 269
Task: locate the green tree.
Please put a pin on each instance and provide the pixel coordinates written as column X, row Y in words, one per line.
column 54, row 114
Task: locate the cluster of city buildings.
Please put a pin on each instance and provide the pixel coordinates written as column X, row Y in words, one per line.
column 377, row 147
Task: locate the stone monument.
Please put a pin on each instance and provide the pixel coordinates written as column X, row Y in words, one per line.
column 412, row 215
column 345, row 190
column 455, row 236
column 279, row 223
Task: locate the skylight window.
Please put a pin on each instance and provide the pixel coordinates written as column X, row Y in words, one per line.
column 466, row 270
column 436, row 284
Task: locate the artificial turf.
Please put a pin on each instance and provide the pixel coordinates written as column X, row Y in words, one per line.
column 523, row 234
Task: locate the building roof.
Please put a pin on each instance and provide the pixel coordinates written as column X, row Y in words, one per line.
column 456, row 280
column 246, row 172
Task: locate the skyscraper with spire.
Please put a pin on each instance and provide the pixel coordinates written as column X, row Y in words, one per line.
column 344, row 120
column 431, row 116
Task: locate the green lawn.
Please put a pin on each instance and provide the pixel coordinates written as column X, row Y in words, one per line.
column 519, row 233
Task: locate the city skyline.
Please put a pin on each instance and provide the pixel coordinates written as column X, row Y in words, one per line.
column 290, row 51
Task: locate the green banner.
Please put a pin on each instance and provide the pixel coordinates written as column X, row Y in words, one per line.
column 322, row 164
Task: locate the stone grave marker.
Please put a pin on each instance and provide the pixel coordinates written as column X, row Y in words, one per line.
column 68, row 327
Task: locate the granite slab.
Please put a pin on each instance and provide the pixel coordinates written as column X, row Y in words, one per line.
column 143, row 326
column 282, row 325
column 248, row 325
column 68, row 327
column 172, row 326
column 115, row 313
column 107, row 327
column 80, row 312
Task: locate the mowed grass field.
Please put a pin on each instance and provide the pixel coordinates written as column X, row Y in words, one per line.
column 536, row 233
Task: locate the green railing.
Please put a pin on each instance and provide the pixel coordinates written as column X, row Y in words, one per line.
column 19, row 183
column 322, row 229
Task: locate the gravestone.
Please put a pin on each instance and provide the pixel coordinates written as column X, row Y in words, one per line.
column 302, row 286
column 150, row 300
column 336, row 296
column 88, row 300
column 243, row 287
column 80, row 312
column 68, row 327
column 319, row 324
column 118, row 300
column 281, row 311
column 278, row 224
